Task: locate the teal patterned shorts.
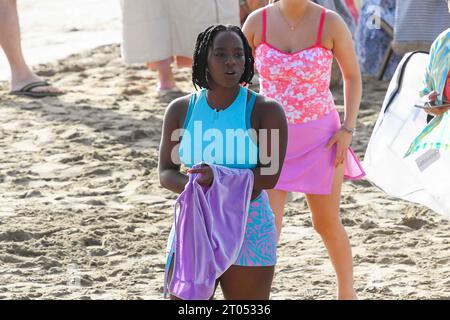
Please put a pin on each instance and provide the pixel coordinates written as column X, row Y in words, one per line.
column 259, row 248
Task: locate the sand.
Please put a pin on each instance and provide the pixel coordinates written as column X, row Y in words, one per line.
column 82, row 215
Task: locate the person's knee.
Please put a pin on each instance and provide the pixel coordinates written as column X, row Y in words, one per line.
column 327, row 228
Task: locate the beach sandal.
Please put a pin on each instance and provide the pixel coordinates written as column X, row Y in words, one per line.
column 26, row 90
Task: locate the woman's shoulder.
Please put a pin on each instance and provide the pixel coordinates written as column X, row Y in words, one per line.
column 334, row 25
column 333, row 19
column 254, row 20
column 180, row 102
column 265, row 106
column 177, row 108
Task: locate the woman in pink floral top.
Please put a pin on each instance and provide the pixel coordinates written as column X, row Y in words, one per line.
column 294, row 43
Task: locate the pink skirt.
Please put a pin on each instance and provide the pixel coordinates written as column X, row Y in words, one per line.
column 308, row 167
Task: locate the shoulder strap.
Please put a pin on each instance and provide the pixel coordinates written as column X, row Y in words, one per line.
column 249, row 109
column 322, row 22
column 192, row 101
column 399, row 83
column 264, row 24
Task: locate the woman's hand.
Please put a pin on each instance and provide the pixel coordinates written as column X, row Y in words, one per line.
column 432, row 97
column 436, row 111
column 206, row 177
column 342, row 139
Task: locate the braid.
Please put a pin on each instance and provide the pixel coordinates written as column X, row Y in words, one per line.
column 200, row 59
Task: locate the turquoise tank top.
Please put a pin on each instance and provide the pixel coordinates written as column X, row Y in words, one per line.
column 220, row 137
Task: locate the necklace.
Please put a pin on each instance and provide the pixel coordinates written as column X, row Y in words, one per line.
column 285, row 20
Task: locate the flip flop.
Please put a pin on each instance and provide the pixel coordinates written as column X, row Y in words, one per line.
column 26, row 90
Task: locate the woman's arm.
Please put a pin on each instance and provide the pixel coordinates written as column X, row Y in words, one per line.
column 269, row 117
column 170, row 176
column 251, row 27
column 345, row 55
column 342, row 46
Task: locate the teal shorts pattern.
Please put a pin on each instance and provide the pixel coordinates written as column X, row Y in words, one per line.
column 259, row 248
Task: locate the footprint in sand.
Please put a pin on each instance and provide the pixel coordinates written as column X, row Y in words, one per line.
column 91, row 241
column 72, row 68
column 7, row 258
column 98, row 172
column 133, row 91
column 413, row 223
column 24, row 251
column 16, row 236
column 31, row 194
column 368, row 224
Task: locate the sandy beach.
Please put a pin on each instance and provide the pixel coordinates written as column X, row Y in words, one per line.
column 82, row 215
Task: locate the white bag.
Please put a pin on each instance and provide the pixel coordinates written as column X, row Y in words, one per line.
column 423, row 177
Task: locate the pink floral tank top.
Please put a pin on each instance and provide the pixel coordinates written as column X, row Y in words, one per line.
column 299, row 81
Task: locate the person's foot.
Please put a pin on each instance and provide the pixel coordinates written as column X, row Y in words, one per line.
column 167, row 89
column 18, row 84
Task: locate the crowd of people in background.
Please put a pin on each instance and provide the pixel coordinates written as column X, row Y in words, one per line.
column 383, row 31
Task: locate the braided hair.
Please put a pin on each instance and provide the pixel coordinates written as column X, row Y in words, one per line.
column 200, row 59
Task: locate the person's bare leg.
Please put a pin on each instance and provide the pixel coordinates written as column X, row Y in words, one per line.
column 21, row 75
column 277, row 200
column 247, row 283
column 165, row 75
column 183, row 62
column 327, row 222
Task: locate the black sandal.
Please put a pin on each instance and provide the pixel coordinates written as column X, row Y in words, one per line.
column 26, row 90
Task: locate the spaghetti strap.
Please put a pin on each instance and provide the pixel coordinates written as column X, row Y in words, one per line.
column 264, row 22
column 322, row 22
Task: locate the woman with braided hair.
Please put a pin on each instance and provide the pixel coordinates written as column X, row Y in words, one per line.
column 222, row 66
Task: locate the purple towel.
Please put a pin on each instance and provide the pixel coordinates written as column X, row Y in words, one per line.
column 210, row 228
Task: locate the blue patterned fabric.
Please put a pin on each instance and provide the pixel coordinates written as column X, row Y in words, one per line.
column 436, row 135
column 260, row 242
column 372, row 42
